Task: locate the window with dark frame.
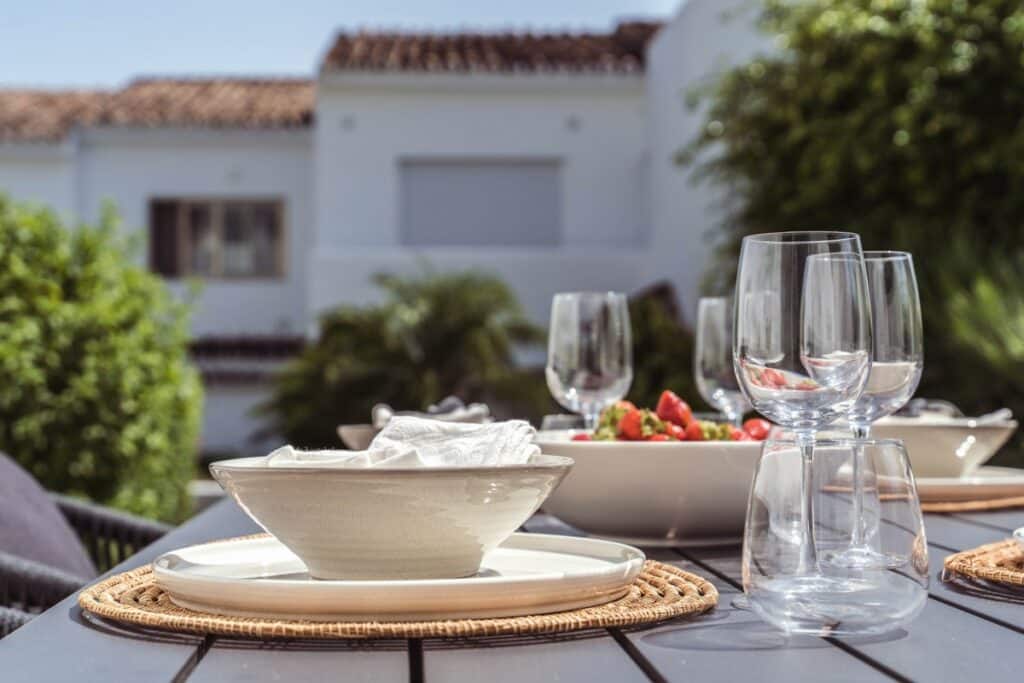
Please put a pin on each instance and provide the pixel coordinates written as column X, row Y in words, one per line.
column 216, row 238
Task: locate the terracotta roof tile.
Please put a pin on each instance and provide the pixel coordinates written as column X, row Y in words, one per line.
column 212, row 103
column 621, row 51
column 47, row 116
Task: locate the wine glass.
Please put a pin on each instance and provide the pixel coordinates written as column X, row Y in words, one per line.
column 801, row 348
column 590, row 364
column 712, row 361
column 896, row 365
column 858, row 600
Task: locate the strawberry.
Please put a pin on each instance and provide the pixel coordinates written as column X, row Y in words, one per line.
column 736, row 434
column 675, row 431
column 658, row 437
column 757, row 428
column 694, row 432
column 673, row 409
column 631, row 425
column 582, row 437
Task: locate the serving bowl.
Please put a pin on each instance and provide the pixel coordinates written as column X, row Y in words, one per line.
column 941, row 446
column 655, row 493
column 390, row 523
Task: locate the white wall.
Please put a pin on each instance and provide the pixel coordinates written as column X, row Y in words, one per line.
column 40, row 173
column 697, row 44
column 130, row 167
column 594, row 127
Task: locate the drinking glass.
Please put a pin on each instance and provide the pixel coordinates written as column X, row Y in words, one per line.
column 712, row 361
column 801, row 347
column 849, row 600
column 896, row 364
column 590, row 364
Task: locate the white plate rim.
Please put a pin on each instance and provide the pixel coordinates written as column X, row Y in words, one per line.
column 630, row 566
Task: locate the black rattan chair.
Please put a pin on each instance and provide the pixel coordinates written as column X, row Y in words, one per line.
column 28, row 587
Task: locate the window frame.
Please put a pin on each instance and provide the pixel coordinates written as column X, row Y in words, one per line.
column 216, row 205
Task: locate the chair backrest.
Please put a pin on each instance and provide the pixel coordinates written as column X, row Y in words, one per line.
column 31, row 525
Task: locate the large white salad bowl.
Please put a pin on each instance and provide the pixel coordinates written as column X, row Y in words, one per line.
column 664, row 493
column 390, row 523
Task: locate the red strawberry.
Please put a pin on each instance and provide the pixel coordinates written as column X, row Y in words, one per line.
column 757, row 428
column 658, row 437
column 675, row 431
column 631, row 425
column 671, row 408
column 694, row 432
column 582, row 437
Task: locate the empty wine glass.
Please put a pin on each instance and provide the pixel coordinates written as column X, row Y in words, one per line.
column 801, row 347
column 590, row 364
column 858, row 600
column 897, row 361
column 712, row 360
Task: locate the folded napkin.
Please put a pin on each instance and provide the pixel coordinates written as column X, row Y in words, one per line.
column 451, row 409
column 419, row 442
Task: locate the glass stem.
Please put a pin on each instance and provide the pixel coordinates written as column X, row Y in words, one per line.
column 808, row 560
column 590, row 419
column 860, row 433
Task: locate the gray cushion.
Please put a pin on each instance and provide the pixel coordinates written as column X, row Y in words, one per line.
column 32, row 526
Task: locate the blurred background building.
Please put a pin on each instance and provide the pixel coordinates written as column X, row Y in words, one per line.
column 546, row 159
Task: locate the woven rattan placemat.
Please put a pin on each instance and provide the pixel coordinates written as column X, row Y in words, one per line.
column 973, row 505
column 1001, row 562
column 660, row 592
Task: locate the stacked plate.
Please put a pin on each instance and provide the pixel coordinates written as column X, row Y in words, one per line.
column 528, row 574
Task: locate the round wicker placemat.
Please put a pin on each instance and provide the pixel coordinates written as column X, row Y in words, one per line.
column 1001, row 562
column 973, row 505
column 660, row 592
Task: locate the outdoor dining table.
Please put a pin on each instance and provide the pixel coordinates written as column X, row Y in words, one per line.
column 961, row 635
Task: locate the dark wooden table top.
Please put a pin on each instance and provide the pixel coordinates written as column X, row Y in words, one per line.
column 960, row 636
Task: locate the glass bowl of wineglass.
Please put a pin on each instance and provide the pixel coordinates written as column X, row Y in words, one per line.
column 590, row 352
column 712, row 360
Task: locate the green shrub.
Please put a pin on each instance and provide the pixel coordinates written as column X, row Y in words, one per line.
column 662, row 350
column 97, row 398
column 899, row 120
column 434, row 335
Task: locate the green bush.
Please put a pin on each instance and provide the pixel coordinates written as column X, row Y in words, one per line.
column 662, row 350
column 434, row 335
column 899, row 120
column 97, row 397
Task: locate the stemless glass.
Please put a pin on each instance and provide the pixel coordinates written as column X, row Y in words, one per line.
column 802, row 343
column 590, row 364
column 712, row 360
column 897, row 361
column 859, row 600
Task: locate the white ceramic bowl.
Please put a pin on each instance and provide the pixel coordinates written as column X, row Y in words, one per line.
column 945, row 446
column 664, row 493
column 390, row 523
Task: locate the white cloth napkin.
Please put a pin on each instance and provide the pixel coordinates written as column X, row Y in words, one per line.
column 418, row 442
column 451, row 409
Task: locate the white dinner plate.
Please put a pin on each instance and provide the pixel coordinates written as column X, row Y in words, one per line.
column 527, row 574
column 985, row 483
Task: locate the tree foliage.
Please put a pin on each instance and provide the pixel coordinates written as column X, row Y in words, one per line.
column 902, row 120
column 434, row 335
column 97, row 397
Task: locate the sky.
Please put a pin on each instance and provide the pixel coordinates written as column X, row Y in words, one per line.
column 105, row 43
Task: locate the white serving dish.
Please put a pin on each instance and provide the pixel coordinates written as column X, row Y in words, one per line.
column 941, row 446
column 527, row 574
column 390, row 523
column 986, row 483
column 660, row 493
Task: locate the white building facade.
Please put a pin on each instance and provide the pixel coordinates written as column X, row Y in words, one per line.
column 546, row 160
